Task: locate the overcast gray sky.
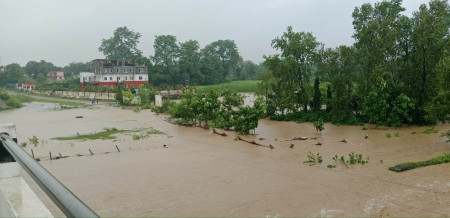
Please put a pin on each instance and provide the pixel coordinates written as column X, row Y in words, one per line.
column 71, row 31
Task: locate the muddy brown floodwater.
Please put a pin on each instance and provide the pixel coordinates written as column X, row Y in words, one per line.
column 205, row 174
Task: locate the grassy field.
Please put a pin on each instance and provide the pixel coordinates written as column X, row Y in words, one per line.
column 56, row 101
column 234, row 86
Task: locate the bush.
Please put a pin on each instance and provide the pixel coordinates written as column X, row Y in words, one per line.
column 13, row 103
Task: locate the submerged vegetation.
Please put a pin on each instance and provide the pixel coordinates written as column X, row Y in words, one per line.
column 108, row 133
column 230, row 113
column 445, row 158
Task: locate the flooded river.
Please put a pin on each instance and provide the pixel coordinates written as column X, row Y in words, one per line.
column 205, row 174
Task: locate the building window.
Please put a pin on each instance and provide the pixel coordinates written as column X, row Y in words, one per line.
column 126, row 86
column 118, row 79
column 132, row 86
column 110, row 78
column 124, row 69
column 106, row 70
column 140, row 77
column 129, row 70
column 111, row 86
column 117, row 70
column 110, row 70
column 126, row 78
column 105, row 78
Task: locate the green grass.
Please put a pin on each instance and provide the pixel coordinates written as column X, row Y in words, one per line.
column 396, row 134
column 388, row 135
column 68, row 103
column 445, row 158
column 234, row 86
column 108, row 133
column 104, row 135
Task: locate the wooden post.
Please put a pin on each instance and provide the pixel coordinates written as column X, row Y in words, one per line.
column 117, row 148
column 91, row 152
column 32, row 153
column 50, row 155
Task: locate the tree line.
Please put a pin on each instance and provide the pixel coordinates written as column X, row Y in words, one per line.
column 182, row 63
column 173, row 63
column 397, row 71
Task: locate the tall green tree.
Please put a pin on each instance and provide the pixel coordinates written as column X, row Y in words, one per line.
column 122, row 45
column 39, row 70
column 430, row 39
column 224, row 56
column 189, row 63
column 12, row 74
column 294, row 65
column 317, row 100
column 165, row 59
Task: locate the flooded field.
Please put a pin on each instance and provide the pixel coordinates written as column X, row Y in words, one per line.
column 205, row 174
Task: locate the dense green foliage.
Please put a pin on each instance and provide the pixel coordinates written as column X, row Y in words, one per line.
column 396, row 72
column 185, row 63
column 227, row 114
column 8, row 101
column 123, row 45
column 445, row 158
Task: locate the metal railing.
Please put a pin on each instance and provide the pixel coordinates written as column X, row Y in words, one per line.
column 66, row 201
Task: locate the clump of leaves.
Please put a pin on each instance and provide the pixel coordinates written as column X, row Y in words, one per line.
column 23, row 144
column 137, row 109
column 354, row 158
column 331, row 166
column 364, row 128
column 313, row 158
column 319, row 125
column 396, row 134
column 388, row 135
column 34, row 141
column 428, row 131
column 414, row 132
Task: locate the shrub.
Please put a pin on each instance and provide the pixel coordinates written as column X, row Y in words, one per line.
column 13, row 103
column 312, row 158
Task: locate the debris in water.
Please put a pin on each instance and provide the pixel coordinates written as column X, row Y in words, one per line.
column 319, row 143
column 165, row 146
column 367, row 136
column 222, row 134
column 292, row 145
column 79, row 117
